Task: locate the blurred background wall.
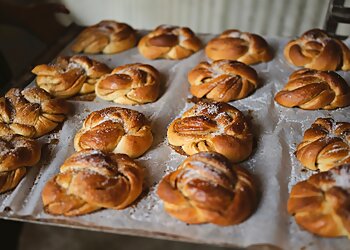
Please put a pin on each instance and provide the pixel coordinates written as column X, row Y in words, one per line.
column 266, row 17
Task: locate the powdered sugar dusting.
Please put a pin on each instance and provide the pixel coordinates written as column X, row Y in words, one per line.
column 4, row 149
column 182, row 38
column 73, row 65
column 322, row 40
column 216, row 68
column 234, row 34
column 220, row 131
column 210, row 108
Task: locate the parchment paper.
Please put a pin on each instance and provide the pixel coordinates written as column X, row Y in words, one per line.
column 277, row 131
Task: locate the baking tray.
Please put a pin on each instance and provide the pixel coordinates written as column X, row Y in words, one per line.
column 277, row 131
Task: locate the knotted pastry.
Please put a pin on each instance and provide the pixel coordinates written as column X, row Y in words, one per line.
column 222, row 80
column 313, row 89
column 70, row 76
column 321, row 204
column 325, row 145
column 170, row 42
column 31, row 112
column 130, row 84
column 90, row 180
column 206, row 188
column 16, row 153
column 315, row 49
column 116, row 130
column 216, row 127
column 240, row 46
column 108, row 37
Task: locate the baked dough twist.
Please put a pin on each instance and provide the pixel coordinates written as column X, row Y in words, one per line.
column 116, row 130
column 222, row 80
column 315, row 49
column 108, row 37
column 70, row 76
column 31, row 112
column 170, row 42
column 240, row 46
column 313, row 89
column 16, row 153
column 325, row 145
column 90, row 180
column 321, row 204
column 130, row 84
column 215, row 127
column 206, row 188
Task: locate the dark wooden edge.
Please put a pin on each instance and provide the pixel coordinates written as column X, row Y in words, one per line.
column 131, row 232
column 122, row 231
column 47, row 56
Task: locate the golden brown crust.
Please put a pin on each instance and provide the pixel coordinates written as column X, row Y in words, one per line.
column 215, row 127
column 90, row 180
column 315, row 49
column 240, row 46
column 222, row 80
column 108, row 37
column 321, row 204
column 326, row 144
column 313, row 89
column 117, row 130
column 31, row 112
column 70, row 76
column 206, row 188
column 16, row 153
column 130, row 84
column 170, row 42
